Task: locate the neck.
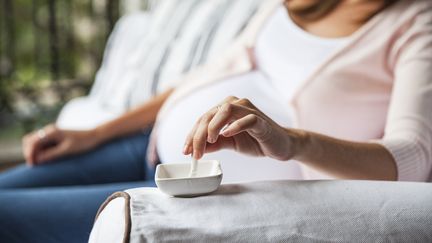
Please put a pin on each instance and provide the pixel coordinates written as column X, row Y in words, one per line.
column 340, row 19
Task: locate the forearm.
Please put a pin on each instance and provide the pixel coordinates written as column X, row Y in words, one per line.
column 345, row 159
column 132, row 121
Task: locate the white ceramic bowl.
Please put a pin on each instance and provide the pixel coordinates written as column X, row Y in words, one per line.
column 174, row 180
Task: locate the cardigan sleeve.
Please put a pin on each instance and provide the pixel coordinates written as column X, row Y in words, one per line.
column 408, row 131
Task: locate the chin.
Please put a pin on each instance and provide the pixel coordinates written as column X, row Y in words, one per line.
column 296, row 5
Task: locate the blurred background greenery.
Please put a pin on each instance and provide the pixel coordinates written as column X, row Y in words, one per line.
column 49, row 53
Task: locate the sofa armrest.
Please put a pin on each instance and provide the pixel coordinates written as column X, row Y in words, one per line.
column 277, row 211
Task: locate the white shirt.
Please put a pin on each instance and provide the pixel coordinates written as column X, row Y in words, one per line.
column 286, row 56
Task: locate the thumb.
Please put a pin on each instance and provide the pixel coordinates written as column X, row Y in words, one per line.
column 51, row 153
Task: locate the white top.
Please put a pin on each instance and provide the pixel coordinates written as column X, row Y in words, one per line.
column 286, row 56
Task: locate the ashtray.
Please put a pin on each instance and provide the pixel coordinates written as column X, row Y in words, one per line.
column 174, row 179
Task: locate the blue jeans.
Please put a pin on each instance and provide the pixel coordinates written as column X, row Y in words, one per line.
column 57, row 201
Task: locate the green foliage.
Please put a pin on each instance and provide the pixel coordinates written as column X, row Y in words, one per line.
column 34, row 57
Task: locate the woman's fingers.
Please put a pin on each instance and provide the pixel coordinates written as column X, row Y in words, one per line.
column 229, row 99
column 220, row 119
column 188, row 147
column 188, row 144
column 211, row 124
column 33, row 150
column 251, row 123
column 200, row 137
column 240, row 112
column 30, row 144
column 52, row 153
column 35, row 144
column 221, row 143
column 222, row 111
column 227, row 114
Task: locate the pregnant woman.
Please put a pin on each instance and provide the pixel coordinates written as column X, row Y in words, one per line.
column 342, row 87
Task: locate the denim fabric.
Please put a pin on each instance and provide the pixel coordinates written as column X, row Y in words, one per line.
column 57, row 201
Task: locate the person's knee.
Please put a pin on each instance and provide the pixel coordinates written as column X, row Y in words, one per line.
column 13, row 223
column 44, row 215
column 13, row 178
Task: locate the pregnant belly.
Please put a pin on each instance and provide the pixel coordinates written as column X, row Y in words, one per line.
column 236, row 167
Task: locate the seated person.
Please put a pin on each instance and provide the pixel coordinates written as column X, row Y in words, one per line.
column 343, row 87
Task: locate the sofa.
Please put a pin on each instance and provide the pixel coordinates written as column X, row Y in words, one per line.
column 145, row 52
column 272, row 211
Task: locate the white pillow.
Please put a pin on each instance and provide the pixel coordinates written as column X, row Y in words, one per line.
column 185, row 34
column 117, row 74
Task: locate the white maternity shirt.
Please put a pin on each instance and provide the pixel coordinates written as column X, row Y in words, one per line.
column 286, row 55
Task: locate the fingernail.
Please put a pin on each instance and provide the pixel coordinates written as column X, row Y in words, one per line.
column 226, row 133
column 196, row 154
column 211, row 139
column 185, row 149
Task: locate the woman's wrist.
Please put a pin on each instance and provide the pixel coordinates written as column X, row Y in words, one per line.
column 299, row 140
column 99, row 135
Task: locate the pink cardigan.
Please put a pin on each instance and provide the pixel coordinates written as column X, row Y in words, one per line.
column 377, row 88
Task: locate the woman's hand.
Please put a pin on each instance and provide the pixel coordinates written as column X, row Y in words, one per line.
column 51, row 143
column 237, row 124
